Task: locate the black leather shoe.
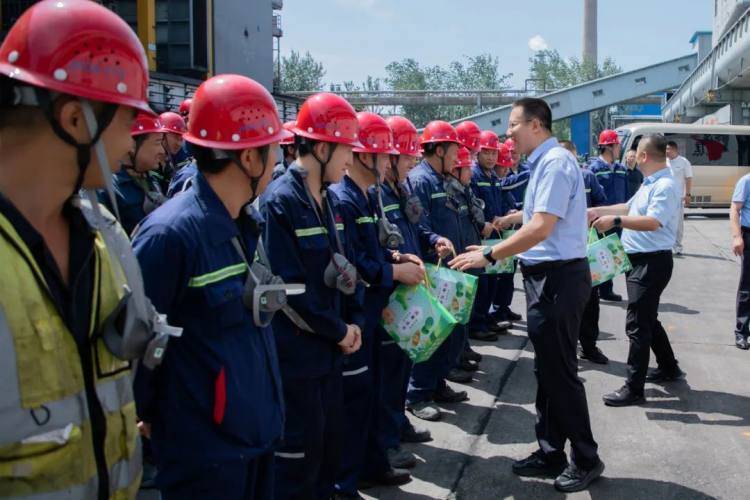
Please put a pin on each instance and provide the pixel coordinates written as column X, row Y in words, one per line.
column 512, row 316
column 393, row 477
column 623, row 397
column 576, row 479
column 595, row 356
column 741, row 343
column 448, row 395
column 485, row 336
column 468, row 365
column 659, row 375
column 400, row 458
column 611, row 297
column 537, row 465
column 460, row 376
column 412, row 434
column 340, row 495
column 500, row 326
column 472, row 355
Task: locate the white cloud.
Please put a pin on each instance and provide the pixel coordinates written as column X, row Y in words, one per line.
column 537, row 43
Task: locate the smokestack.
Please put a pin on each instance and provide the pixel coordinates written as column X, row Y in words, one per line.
column 590, row 30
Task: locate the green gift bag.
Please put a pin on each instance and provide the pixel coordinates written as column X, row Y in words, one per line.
column 416, row 321
column 502, row 266
column 454, row 289
column 607, row 257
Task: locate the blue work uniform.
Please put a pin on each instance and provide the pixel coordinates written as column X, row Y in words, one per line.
column 499, row 200
column 614, row 181
column 516, row 183
column 394, row 364
column 486, row 186
column 589, row 331
column 299, row 239
column 450, row 216
column 170, row 167
column 136, row 197
column 595, row 195
column 215, row 404
column 181, row 179
column 361, row 388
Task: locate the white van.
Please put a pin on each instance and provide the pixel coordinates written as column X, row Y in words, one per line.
column 720, row 155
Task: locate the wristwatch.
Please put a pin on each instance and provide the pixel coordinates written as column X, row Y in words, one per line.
column 487, row 254
column 618, row 221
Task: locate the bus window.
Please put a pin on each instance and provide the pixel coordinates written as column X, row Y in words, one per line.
column 719, row 150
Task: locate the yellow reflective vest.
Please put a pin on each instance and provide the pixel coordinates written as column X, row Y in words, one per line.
column 46, row 445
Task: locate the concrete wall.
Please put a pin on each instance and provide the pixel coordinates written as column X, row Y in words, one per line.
column 243, row 42
column 725, row 13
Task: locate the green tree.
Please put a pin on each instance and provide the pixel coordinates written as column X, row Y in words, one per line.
column 478, row 72
column 552, row 71
column 300, row 73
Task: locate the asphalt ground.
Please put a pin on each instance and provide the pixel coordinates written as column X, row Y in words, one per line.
column 690, row 440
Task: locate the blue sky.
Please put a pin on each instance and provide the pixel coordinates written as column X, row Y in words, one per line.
column 354, row 38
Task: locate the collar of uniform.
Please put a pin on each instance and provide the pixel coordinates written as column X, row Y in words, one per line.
column 220, row 225
column 298, row 175
column 358, row 194
column 477, row 168
column 431, row 171
column 656, row 175
column 540, row 151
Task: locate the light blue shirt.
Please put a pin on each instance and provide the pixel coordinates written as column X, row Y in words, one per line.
column 657, row 198
column 556, row 188
column 742, row 195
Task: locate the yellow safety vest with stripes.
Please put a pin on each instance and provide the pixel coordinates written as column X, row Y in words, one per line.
column 46, row 444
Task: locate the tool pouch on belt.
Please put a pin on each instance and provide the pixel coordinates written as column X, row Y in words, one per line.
column 134, row 329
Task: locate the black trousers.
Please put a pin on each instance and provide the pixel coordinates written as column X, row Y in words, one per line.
column 589, row 332
column 646, row 282
column 743, row 290
column 555, row 297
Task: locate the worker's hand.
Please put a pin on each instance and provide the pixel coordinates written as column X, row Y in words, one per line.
column 604, row 223
column 352, row 341
column 487, row 230
column 444, row 247
column 593, row 214
column 501, row 223
column 738, row 246
column 410, row 257
column 145, row 429
column 472, row 259
column 408, row 273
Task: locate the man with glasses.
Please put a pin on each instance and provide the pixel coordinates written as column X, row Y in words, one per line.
column 552, row 247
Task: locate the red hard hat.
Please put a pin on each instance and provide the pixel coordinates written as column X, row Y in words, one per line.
column 608, row 137
column 185, row 106
column 288, row 126
column 374, row 134
column 511, row 144
column 80, row 48
column 328, row 118
column 405, row 135
column 504, row 158
column 468, row 135
column 233, row 112
column 438, row 131
column 464, row 158
column 172, row 122
column 146, row 123
column 489, row 140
